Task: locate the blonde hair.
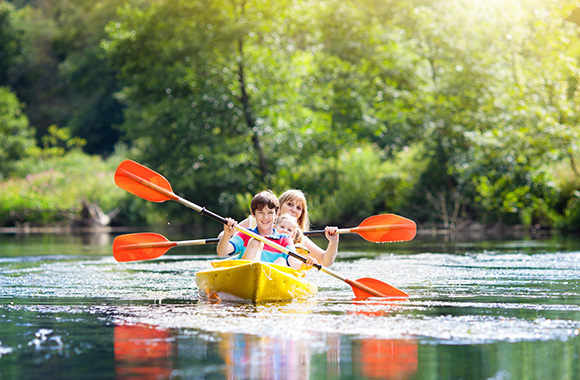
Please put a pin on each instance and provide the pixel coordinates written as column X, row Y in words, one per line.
column 297, row 237
column 297, row 196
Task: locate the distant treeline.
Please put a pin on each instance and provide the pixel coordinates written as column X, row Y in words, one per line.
column 445, row 111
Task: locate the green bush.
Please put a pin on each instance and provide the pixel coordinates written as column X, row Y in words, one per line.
column 52, row 189
column 16, row 135
column 567, row 206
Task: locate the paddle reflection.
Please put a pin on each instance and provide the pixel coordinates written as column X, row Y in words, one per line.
column 143, row 352
column 392, row 359
column 375, row 308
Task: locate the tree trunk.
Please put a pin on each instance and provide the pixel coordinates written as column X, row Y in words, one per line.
column 249, row 116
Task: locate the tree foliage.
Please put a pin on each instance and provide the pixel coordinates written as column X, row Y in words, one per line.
column 16, row 136
column 447, row 111
column 61, row 72
column 11, row 36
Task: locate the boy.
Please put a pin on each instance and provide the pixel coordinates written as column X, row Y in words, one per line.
column 264, row 207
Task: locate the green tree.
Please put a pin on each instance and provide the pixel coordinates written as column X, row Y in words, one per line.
column 10, row 40
column 93, row 113
column 231, row 97
column 211, row 95
column 63, row 75
column 534, row 126
column 16, row 136
column 496, row 107
column 235, row 93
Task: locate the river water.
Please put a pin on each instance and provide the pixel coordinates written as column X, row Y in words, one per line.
column 478, row 309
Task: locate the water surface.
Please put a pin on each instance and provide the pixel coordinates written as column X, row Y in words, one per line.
column 479, row 309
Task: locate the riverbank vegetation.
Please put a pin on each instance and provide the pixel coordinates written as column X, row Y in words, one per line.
column 449, row 112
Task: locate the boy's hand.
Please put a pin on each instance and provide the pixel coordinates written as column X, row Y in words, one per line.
column 229, row 228
column 224, row 248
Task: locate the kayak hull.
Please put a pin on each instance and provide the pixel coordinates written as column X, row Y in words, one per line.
column 252, row 281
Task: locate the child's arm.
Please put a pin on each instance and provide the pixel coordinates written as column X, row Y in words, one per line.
column 224, row 248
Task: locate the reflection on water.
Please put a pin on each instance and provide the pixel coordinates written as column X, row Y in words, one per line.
column 41, row 338
column 252, row 357
column 149, row 353
column 143, row 351
column 391, row 359
column 478, row 310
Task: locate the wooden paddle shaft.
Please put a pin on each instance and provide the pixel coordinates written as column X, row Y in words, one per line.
column 167, row 244
column 171, row 195
column 353, row 230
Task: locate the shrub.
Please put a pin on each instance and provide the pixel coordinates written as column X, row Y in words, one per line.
column 53, row 189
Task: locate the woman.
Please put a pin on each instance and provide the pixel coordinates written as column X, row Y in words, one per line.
column 293, row 202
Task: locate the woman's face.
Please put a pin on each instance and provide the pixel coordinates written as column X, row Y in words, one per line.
column 293, row 208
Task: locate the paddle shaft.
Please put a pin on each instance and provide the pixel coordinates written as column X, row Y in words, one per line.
column 167, row 244
column 171, row 244
column 355, row 230
column 214, row 216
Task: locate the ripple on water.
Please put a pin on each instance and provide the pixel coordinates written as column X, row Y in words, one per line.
column 457, row 299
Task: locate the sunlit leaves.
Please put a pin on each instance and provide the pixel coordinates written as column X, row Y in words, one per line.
column 246, row 94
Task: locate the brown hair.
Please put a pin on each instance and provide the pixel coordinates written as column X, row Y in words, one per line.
column 264, row 199
column 297, row 196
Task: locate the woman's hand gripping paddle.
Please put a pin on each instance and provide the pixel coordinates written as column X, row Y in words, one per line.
column 147, row 184
column 384, row 228
column 148, row 245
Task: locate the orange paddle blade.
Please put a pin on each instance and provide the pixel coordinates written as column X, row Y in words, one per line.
column 386, row 228
column 143, row 182
column 367, row 287
column 143, row 246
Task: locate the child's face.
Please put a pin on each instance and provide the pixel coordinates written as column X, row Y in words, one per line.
column 265, row 217
column 285, row 227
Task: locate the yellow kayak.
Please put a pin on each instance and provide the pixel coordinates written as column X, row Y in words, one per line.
column 255, row 281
